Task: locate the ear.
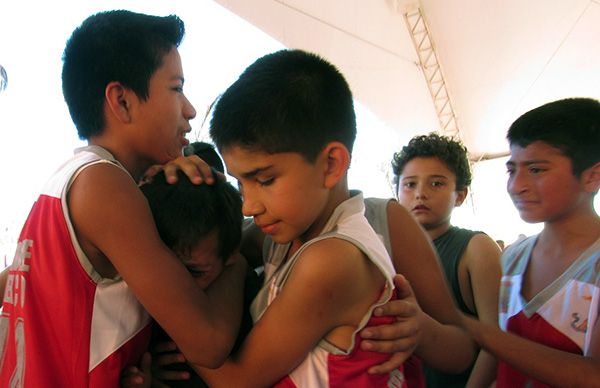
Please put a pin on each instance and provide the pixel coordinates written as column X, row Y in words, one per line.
column 590, row 178
column 117, row 101
column 337, row 162
column 461, row 195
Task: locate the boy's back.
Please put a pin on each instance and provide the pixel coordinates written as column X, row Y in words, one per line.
column 92, row 231
column 100, row 319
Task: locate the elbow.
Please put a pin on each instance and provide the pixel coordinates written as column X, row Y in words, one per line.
column 213, row 354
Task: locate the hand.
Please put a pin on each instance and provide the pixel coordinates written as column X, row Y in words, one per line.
column 401, row 337
column 165, row 356
column 195, row 168
column 134, row 377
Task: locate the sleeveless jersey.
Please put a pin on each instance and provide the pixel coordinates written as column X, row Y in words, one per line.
column 450, row 247
column 376, row 214
column 560, row 316
column 326, row 365
column 62, row 324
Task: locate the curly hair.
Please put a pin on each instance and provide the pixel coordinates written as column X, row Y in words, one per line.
column 452, row 152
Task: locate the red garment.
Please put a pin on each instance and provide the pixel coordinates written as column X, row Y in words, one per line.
column 62, row 325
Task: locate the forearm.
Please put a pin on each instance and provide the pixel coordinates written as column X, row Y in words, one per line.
column 484, row 371
column 551, row 366
column 226, row 298
column 436, row 336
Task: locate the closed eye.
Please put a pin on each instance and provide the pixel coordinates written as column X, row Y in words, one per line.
column 266, row 182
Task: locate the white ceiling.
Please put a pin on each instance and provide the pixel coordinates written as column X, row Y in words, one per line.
column 499, row 58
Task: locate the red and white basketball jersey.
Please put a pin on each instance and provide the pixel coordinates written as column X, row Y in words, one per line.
column 326, row 365
column 62, row 324
column 560, row 316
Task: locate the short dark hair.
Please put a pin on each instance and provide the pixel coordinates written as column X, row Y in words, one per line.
column 185, row 213
column 112, row 46
column 571, row 125
column 206, row 152
column 450, row 151
column 287, row 101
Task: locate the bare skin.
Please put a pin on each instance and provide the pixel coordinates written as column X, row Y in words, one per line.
column 427, row 188
column 439, row 318
column 544, row 189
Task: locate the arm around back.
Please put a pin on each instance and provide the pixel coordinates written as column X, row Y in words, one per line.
column 116, row 230
column 415, row 258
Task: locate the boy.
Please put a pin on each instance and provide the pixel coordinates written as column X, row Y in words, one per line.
column 202, row 224
column 432, row 175
column 550, row 284
column 285, row 130
column 89, row 256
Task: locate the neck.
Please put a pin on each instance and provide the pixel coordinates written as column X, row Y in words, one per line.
column 437, row 230
column 336, row 196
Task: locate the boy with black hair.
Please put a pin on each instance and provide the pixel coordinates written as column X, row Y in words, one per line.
column 550, row 284
column 202, row 224
column 285, row 129
column 89, row 261
column 412, row 327
column 432, row 176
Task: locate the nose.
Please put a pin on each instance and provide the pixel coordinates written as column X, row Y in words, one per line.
column 189, row 111
column 251, row 205
column 421, row 191
column 517, row 182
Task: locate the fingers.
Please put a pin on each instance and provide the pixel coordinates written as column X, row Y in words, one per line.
column 403, row 287
column 171, row 375
column 401, row 336
column 167, row 354
column 165, row 359
column 150, row 173
column 132, row 377
column 195, row 168
column 394, row 362
column 401, row 309
column 146, row 364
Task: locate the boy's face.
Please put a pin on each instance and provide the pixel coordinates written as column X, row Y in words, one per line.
column 204, row 262
column 541, row 183
column 427, row 188
column 163, row 119
column 283, row 192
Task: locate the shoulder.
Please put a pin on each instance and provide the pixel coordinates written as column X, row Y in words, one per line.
column 333, row 260
column 517, row 252
column 481, row 248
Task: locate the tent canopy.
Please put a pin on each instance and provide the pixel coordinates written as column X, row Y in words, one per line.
column 498, row 58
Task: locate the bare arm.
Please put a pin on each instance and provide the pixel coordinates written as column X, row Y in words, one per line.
column 414, row 257
column 552, row 366
column 115, row 228
column 325, row 296
column 482, row 258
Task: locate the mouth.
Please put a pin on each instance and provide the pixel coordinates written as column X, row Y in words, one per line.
column 420, row 208
column 267, row 228
column 184, row 141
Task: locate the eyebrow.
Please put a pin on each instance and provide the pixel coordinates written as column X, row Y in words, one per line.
column 528, row 162
column 255, row 172
column 430, row 176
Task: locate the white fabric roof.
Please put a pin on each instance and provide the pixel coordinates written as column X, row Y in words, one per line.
column 499, row 58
